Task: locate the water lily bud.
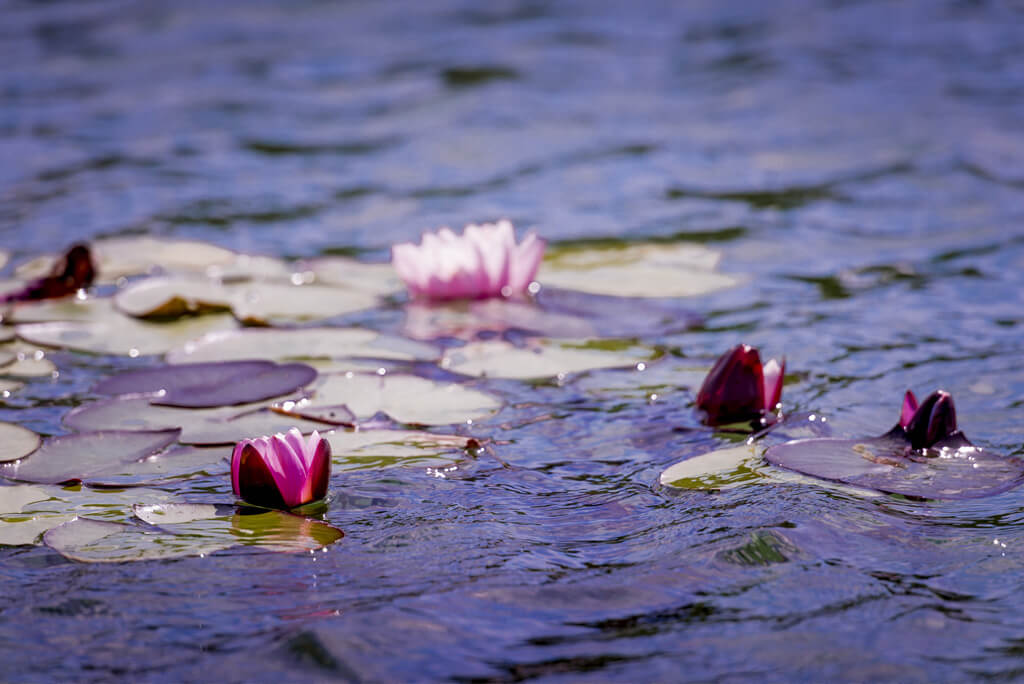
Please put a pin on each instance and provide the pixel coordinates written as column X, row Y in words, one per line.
column 934, row 420
column 74, row 272
column 483, row 262
column 739, row 388
column 281, row 471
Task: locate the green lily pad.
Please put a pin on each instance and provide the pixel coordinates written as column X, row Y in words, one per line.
column 720, row 469
column 542, row 359
column 405, row 398
column 115, row 333
column 98, row 541
column 649, row 270
column 6, row 333
column 252, row 302
column 373, row 449
column 16, row 443
column 75, row 457
column 245, row 525
column 303, row 343
column 7, row 387
column 376, row 279
column 63, row 309
column 46, row 507
column 173, row 464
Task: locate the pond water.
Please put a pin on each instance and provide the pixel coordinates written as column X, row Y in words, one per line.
column 858, row 165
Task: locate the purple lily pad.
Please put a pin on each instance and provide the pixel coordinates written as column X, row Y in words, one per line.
column 72, row 458
column 205, row 385
column 951, row 469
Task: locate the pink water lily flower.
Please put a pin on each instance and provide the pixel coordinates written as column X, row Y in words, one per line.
column 740, row 388
column 281, row 471
column 484, row 261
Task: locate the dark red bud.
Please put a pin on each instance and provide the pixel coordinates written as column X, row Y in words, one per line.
column 934, row 420
column 256, row 481
column 733, row 390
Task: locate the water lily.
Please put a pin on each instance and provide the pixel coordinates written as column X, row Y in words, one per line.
column 485, row 261
column 930, row 424
column 74, row 272
column 740, row 388
column 281, row 471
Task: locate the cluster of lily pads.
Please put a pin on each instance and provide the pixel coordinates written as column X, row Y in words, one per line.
column 263, row 384
column 223, row 350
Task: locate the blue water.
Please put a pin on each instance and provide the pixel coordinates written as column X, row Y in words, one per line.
column 861, row 164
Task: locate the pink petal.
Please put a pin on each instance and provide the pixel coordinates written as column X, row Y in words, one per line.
column 772, row 376
column 525, row 262
column 319, row 474
column 908, row 410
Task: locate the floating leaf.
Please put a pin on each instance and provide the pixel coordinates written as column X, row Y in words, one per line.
column 63, row 309
column 173, row 464
column 366, row 449
column 29, row 367
column 246, row 525
column 115, row 333
column 71, row 458
column 543, row 359
column 303, row 343
column 6, row 333
column 222, row 425
column 8, row 386
column 98, row 541
column 720, row 469
column 16, row 442
column 889, row 465
column 51, row 506
column 205, row 385
column 680, row 270
column 119, row 257
column 14, row 498
column 405, row 398
column 255, row 302
column 376, row 279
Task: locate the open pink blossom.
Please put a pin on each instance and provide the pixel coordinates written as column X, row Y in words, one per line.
column 739, row 388
column 281, row 471
column 484, row 261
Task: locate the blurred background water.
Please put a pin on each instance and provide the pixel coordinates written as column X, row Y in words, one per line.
column 861, row 162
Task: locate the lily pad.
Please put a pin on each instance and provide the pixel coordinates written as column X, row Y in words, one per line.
column 115, row 333
column 254, row 303
column 6, row 333
column 720, row 469
column 376, row 279
column 303, row 343
column 16, row 442
column 372, row 449
column 15, row 497
column 405, row 398
column 205, row 385
column 222, row 425
column 70, row 458
column 119, row 257
column 650, row 270
column 9, row 386
column 174, row 464
column 467, row 319
column 99, row 541
column 889, row 465
column 245, row 525
column 62, row 309
column 29, row 367
column 52, row 505
column 542, row 359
